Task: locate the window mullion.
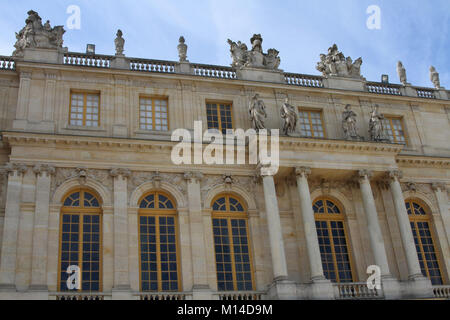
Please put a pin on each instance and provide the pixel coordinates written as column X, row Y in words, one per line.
column 233, row 262
column 84, row 108
column 333, row 252
column 80, row 248
column 419, row 240
column 158, row 252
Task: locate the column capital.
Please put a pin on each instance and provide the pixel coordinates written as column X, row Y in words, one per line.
column 302, row 171
column 41, row 168
column 365, row 174
column 15, row 168
column 439, row 186
column 395, row 174
column 120, row 172
column 265, row 170
column 193, row 176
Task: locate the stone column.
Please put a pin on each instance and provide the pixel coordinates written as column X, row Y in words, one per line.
column 406, row 235
column 121, row 271
column 40, row 229
column 440, row 192
column 373, row 225
column 133, row 247
column 201, row 289
column 21, row 121
column 11, row 225
column 312, row 242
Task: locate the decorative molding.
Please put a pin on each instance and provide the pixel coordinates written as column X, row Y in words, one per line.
column 439, row 186
column 40, row 169
column 302, row 171
column 193, row 176
column 423, row 162
column 395, row 174
column 365, row 174
column 15, row 168
column 120, row 172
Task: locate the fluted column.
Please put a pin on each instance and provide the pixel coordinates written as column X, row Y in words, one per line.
column 309, row 223
column 40, row 229
column 373, row 225
column 440, row 191
column 275, row 232
column 11, row 226
column 406, row 235
column 198, row 248
column 121, row 273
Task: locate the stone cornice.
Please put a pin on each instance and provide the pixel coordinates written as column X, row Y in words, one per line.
column 423, row 161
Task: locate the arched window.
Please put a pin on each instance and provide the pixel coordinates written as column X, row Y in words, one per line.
column 81, row 240
column 420, row 221
column 233, row 259
column 158, row 243
column 333, row 242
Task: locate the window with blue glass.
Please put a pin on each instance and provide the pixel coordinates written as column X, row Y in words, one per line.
column 232, row 249
column 333, row 243
column 423, row 235
column 158, row 244
column 80, row 240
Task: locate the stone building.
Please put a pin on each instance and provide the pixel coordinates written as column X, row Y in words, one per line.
column 88, row 181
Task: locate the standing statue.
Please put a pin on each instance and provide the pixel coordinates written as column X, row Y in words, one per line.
column 401, row 71
column 349, row 124
column 289, row 116
column 257, row 112
column 376, row 127
column 182, row 49
column 120, row 43
column 335, row 64
column 434, row 77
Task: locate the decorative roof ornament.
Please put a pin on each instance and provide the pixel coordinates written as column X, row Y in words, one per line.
column 434, row 77
column 182, row 49
column 401, row 71
column 36, row 35
column 119, row 43
column 255, row 58
column 335, row 64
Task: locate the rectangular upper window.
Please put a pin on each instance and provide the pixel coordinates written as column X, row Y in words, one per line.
column 84, row 109
column 219, row 116
column 153, row 114
column 311, row 123
column 394, row 129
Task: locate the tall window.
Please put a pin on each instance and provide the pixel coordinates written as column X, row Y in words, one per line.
column 158, row 243
column 233, row 259
column 333, row 243
column 80, row 240
column 219, row 116
column 84, row 109
column 153, row 114
column 423, row 237
column 394, row 129
column 311, row 123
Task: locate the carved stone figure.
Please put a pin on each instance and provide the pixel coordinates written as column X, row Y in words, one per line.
column 434, row 77
column 376, row 127
column 349, row 124
column 255, row 58
column 120, row 43
column 289, row 116
column 336, row 64
column 36, row 35
column 182, row 49
column 401, row 71
column 257, row 112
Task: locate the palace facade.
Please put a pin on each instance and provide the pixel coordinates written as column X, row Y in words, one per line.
column 88, row 181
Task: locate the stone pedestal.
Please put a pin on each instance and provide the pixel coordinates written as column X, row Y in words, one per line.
column 345, row 83
column 321, row 290
column 282, row 290
column 120, row 62
column 122, row 293
column 53, row 56
column 201, row 292
column 418, row 288
column 441, row 93
column 259, row 74
column 184, row 67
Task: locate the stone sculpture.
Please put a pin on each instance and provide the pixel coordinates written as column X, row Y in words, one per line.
column 257, row 112
column 289, row 116
column 434, row 77
column 255, row 58
column 182, row 49
column 376, row 126
column 120, row 43
column 349, row 124
column 36, row 35
column 401, row 71
column 336, row 64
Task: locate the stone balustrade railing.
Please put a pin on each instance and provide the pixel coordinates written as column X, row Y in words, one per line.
column 383, row 88
column 7, row 63
column 160, row 296
column 66, row 296
column 441, row 292
column 240, row 295
column 148, row 65
column 211, row 71
column 303, row 80
column 356, row 291
column 425, row 93
column 87, row 60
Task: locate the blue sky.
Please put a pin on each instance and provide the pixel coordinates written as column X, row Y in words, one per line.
column 413, row 31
